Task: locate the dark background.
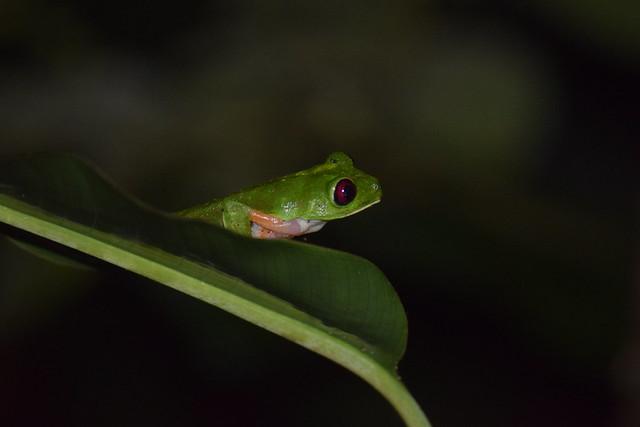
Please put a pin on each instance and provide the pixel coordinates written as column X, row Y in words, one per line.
column 505, row 138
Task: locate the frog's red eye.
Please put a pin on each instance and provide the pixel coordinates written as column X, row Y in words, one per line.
column 345, row 192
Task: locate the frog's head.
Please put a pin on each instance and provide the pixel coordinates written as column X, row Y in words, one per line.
column 347, row 190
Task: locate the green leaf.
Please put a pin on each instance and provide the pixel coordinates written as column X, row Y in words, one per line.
column 336, row 304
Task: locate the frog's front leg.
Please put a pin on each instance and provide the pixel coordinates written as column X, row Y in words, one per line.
column 241, row 219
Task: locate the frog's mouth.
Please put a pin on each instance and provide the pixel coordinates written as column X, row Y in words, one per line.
column 361, row 208
column 265, row 226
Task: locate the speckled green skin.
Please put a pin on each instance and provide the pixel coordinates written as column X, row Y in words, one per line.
column 307, row 194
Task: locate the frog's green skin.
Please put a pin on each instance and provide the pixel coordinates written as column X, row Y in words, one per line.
column 293, row 205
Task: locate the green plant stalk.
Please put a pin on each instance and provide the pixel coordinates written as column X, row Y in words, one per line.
column 25, row 217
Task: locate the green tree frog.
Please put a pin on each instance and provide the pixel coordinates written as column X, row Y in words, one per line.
column 295, row 204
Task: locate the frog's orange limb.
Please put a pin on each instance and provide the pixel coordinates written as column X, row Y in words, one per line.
column 275, row 224
column 281, row 229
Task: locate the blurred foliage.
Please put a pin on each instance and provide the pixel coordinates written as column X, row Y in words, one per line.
column 505, row 137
